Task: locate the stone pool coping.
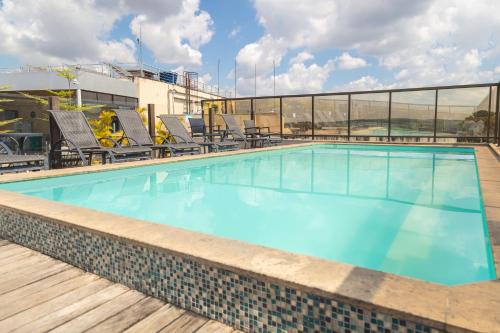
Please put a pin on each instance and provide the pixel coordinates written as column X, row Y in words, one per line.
column 472, row 307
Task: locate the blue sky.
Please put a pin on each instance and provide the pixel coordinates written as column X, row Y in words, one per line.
column 325, row 45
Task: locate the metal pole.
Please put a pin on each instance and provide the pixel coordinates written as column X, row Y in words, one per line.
column 435, row 113
column 489, row 116
column 235, row 63
column 252, row 115
column 390, row 117
column 274, row 77
column 497, row 135
column 151, row 120
column 349, row 117
column 312, row 116
column 255, row 80
column 218, row 75
column 281, row 117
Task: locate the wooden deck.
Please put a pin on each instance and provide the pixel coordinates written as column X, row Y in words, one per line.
column 41, row 294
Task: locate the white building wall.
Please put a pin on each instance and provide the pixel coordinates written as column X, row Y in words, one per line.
column 168, row 98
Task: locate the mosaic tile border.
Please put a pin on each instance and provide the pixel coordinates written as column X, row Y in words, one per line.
column 244, row 302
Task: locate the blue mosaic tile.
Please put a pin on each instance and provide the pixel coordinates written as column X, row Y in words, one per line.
column 246, row 303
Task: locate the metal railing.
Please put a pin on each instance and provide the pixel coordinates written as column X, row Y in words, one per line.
column 110, row 70
column 455, row 113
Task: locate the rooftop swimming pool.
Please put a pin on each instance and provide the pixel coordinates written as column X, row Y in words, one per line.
column 411, row 211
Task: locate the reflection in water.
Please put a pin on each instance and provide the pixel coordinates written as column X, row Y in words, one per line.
column 410, row 211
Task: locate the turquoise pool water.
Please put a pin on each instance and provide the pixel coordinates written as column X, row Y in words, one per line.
column 412, row 211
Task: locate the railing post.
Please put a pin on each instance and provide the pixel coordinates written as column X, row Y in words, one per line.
column 435, row 113
column 252, row 112
column 312, row 117
column 151, row 120
column 349, row 117
column 497, row 127
column 55, row 133
column 390, row 117
column 281, row 117
column 489, row 116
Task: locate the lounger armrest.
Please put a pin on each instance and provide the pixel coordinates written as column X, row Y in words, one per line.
column 115, row 142
column 4, row 149
column 163, row 138
column 124, row 137
column 15, row 142
column 180, row 137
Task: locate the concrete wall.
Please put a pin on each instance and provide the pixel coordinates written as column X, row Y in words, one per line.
column 168, row 98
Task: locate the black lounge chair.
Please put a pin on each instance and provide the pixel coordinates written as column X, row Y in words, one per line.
column 133, row 128
column 233, row 129
column 77, row 143
column 181, row 143
column 10, row 163
column 199, row 131
column 262, row 132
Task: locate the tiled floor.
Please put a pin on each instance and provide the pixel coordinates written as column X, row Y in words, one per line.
column 41, row 294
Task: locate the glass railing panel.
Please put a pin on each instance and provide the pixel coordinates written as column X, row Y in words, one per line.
column 370, row 114
column 412, row 113
column 267, row 113
column 331, row 115
column 297, row 116
column 463, row 112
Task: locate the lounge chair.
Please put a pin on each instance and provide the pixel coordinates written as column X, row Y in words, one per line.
column 10, row 163
column 181, row 143
column 77, row 143
column 262, row 132
column 133, row 127
column 182, row 136
column 199, row 131
column 233, row 129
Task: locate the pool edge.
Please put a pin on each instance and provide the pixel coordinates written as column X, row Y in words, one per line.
column 419, row 301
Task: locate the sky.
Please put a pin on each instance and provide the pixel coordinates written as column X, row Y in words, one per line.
column 315, row 46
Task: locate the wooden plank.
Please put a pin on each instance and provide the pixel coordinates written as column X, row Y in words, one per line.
column 213, row 326
column 68, row 313
column 157, row 320
column 128, row 317
column 43, row 309
column 36, row 287
column 22, row 262
column 188, row 322
column 101, row 313
column 43, row 295
column 11, row 249
column 16, row 282
column 15, row 259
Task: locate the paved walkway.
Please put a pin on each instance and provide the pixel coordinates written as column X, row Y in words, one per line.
column 41, row 294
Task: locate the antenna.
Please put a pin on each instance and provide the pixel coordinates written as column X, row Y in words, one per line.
column 218, row 72
column 140, row 49
column 274, row 77
column 235, row 63
column 255, row 79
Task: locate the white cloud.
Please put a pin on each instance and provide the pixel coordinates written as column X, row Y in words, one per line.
column 297, row 79
column 423, row 42
column 176, row 37
column 72, row 31
column 234, row 32
column 261, row 53
column 497, row 70
column 301, row 57
column 364, row 83
column 206, row 78
column 52, row 31
column 346, row 61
